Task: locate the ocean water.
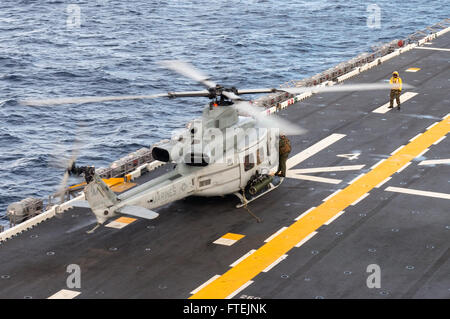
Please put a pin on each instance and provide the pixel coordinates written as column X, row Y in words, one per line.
column 51, row 48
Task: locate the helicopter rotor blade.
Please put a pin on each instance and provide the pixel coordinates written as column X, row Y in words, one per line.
column 232, row 96
column 258, row 91
column 189, row 71
column 271, row 121
column 63, row 184
column 95, row 99
column 86, row 99
column 75, row 150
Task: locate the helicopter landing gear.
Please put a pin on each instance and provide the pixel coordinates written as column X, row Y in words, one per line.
column 93, row 229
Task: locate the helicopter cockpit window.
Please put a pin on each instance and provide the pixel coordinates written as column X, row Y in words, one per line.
column 249, row 162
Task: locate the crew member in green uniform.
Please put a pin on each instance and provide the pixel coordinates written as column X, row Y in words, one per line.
column 283, row 153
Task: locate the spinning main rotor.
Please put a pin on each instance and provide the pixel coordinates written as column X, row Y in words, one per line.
column 213, row 90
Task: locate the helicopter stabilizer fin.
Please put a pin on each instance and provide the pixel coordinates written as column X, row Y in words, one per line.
column 138, row 211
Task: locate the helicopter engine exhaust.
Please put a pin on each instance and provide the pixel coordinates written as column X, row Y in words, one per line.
column 167, row 152
column 175, row 152
column 161, row 154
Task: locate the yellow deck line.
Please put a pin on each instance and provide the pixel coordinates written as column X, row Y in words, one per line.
column 254, row 264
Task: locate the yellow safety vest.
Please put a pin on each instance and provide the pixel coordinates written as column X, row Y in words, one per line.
column 396, row 83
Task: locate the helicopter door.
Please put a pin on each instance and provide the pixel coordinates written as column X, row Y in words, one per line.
column 248, row 166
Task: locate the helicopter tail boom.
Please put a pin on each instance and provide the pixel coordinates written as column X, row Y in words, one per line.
column 100, row 198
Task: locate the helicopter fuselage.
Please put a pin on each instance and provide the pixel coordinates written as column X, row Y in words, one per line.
column 215, row 155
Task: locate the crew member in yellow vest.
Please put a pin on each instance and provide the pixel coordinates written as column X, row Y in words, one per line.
column 396, row 89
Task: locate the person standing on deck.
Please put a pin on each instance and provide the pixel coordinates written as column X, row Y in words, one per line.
column 283, row 153
column 396, row 89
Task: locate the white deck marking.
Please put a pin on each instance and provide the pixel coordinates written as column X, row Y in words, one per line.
column 299, row 173
column 328, row 169
column 243, row 257
column 383, row 182
column 276, row 234
column 204, row 285
column 415, row 137
column 228, row 239
column 403, row 98
column 276, row 262
column 430, row 48
column 334, row 217
column 435, row 123
column 439, row 140
column 248, row 283
column 304, row 214
column 421, row 154
column 331, row 195
column 350, row 156
column 290, row 174
column 310, row 151
column 121, row 222
column 378, row 163
column 417, row 192
column 224, row 241
column 404, row 166
column 65, row 294
column 435, row 162
column 356, row 178
column 360, row 199
column 304, row 240
column 397, row 149
column 116, row 225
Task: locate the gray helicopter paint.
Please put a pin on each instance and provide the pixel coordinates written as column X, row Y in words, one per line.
column 235, row 154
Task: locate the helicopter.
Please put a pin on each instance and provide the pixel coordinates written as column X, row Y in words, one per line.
column 231, row 149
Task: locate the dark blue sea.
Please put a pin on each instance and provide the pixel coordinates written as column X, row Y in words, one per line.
column 51, row 48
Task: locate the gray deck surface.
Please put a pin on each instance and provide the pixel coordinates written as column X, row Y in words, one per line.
column 408, row 236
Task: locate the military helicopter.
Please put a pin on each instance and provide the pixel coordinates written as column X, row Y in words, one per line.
column 231, row 149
